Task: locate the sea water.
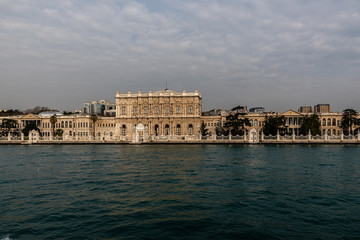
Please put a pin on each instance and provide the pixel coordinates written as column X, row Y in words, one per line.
column 180, row 192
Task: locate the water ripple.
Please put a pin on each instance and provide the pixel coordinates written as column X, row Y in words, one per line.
column 179, row 192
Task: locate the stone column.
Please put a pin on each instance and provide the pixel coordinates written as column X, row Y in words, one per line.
column 22, row 136
column 262, row 135
column 309, row 135
column 325, row 136
column 9, row 136
column 278, row 136
column 293, row 135
column 229, row 135
column 358, row 136
column 342, row 136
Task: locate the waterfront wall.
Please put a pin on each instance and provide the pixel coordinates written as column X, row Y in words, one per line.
column 34, row 138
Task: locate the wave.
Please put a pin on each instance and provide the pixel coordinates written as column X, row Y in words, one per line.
column 6, row 237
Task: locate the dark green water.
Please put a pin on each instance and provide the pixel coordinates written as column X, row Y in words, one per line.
column 180, row 192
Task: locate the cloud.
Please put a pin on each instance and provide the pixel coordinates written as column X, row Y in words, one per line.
column 277, row 54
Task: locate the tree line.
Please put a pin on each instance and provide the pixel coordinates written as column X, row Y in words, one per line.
column 237, row 122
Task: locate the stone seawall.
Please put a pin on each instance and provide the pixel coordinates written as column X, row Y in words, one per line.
column 351, row 141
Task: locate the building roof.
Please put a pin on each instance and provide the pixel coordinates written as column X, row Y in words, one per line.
column 44, row 114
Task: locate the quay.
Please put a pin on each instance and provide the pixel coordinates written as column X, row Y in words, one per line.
column 35, row 138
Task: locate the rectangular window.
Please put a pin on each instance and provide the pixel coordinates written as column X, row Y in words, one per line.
column 178, row 109
column 167, row 109
column 156, row 110
column 190, row 109
column 123, row 110
column 146, row 109
column 134, row 110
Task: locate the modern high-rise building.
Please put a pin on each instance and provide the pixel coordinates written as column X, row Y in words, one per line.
column 305, row 109
column 322, row 108
column 98, row 107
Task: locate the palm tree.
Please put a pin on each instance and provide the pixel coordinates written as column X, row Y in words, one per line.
column 53, row 120
column 348, row 120
column 94, row 118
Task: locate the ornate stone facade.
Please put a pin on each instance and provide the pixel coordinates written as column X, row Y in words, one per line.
column 163, row 113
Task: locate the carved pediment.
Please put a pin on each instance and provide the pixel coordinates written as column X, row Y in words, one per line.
column 30, row 116
column 291, row 113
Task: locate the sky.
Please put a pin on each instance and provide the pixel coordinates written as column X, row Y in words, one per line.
column 279, row 54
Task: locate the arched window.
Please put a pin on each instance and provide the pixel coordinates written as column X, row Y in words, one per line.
column 178, row 129
column 329, row 132
column 324, row 122
column 111, row 134
column 190, row 129
column 251, row 122
column 66, row 124
column 70, row 124
column 334, row 132
column 324, row 130
column 329, row 122
column 255, row 122
column 123, row 130
column 334, row 122
column 99, row 134
column 156, row 129
column 167, row 129
column 70, row 133
column 62, row 124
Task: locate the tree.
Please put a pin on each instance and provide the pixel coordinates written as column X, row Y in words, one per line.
column 10, row 112
column 273, row 125
column 94, row 119
column 30, row 125
column 38, row 109
column 7, row 125
column 221, row 131
column 238, row 109
column 311, row 123
column 59, row 132
column 236, row 123
column 349, row 120
column 53, row 120
column 203, row 130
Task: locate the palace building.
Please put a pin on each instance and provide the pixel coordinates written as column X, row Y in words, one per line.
column 163, row 115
